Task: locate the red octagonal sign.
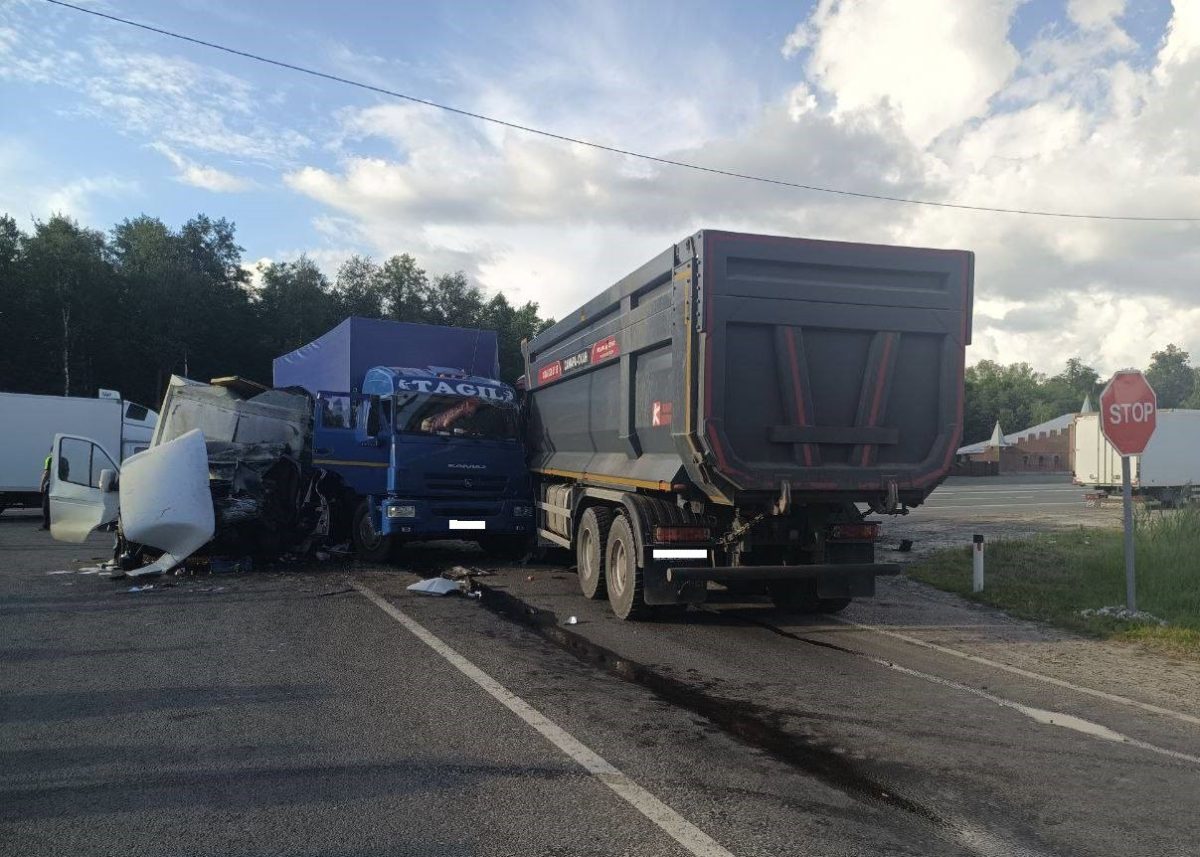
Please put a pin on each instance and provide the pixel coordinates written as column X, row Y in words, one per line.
column 1128, row 412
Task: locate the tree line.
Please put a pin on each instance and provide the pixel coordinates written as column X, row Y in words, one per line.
column 1020, row 397
column 82, row 309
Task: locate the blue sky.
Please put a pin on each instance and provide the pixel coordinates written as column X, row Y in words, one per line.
column 1056, row 104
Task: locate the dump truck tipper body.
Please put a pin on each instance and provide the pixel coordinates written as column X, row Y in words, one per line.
column 729, row 403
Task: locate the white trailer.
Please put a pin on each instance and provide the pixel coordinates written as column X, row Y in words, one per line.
column 29, row 423
column 1168, row 470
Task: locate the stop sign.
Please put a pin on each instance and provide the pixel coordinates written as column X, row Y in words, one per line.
column 1128, row 412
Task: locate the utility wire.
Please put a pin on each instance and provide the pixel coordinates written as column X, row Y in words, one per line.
column 601, row 146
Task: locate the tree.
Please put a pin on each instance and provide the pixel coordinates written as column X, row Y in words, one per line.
column 452, row 300
column 405, row 289
column 69, row 269
column 1171, row 376
column 359, row 289
column 994, row 392
column 512, row 325
column 294, row 305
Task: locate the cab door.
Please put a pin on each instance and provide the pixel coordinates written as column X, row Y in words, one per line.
column 83, row 488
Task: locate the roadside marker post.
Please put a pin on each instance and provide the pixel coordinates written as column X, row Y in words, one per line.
column 977, row 564
column 1128, row 417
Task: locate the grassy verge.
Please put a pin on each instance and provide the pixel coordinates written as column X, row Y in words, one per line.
column 1054, row 576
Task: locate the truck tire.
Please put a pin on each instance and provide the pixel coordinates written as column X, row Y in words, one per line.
column 370, row 545
column 590, row 552
column 622, row 577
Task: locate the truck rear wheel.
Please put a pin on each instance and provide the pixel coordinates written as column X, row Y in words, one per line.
column 590, row 542
column 369, row 544
column 623, row 578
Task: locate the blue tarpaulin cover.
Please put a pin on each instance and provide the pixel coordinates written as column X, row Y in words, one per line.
column 337, row 361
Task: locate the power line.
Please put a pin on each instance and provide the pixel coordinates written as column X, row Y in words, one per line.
column 601, row 146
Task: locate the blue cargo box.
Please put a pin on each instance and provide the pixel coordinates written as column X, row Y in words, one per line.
column 338, row 360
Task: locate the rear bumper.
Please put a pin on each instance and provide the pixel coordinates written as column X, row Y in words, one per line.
column 732, row 574
column 687, row 584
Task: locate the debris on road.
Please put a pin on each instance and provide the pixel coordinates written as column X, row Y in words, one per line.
column 143, row 588
column 1124, row 614
column 461, row 572
column 434, row 586
column 223, row 565
column 572, row 620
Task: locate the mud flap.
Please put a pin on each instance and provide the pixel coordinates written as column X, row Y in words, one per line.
column 846, row 586
column 657, row 590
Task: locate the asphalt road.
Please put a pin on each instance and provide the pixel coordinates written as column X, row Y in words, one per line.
column 326, row 710
column 1032, row 494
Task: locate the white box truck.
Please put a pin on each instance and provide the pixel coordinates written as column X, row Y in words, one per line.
column 1168, row 470
column 28, row 424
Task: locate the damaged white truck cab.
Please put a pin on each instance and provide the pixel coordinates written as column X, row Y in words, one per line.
column 225, row 458
column 161, row 496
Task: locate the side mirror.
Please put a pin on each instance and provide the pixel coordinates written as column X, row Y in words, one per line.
column 108, row 481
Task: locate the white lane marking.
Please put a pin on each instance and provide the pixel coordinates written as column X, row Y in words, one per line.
column 1058, row 682
column 1041, row 715
column 971, row 507
column 695, row 840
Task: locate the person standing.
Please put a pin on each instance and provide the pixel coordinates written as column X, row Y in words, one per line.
column 46, row 491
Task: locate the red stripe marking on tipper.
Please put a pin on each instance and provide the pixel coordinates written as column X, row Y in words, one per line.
column 879, row 378
column 801, row 418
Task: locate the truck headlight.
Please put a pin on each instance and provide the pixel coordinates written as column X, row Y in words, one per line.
column 402, row 511
column 522, row 511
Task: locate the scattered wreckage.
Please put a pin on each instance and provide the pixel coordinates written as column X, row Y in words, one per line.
column 229, row 469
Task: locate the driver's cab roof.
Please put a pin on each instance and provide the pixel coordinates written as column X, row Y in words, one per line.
column 388, row 380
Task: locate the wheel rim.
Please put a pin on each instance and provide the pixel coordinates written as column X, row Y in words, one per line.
column 587, row 561
column 616, row 567
column 367, row 535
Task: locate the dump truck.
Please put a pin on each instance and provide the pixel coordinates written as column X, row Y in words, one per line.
column 731, row 413
column 1168, row 470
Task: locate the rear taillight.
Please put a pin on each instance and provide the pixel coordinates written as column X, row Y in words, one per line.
column 862, row 532
column 667, row 535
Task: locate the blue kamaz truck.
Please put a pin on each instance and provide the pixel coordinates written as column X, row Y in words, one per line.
column 424, row 438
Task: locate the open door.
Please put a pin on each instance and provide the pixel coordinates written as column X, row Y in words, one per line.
column 83, row 488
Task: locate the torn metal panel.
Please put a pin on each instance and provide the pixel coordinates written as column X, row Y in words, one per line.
column 165, row 498
column 274, row 416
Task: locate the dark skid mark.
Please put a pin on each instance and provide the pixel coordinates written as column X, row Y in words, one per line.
column 745, row 721
column 735, row 717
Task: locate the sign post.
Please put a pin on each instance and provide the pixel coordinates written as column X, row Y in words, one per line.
column 1128, row 416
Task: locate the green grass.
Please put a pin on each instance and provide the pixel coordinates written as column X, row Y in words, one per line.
column 1053, row 576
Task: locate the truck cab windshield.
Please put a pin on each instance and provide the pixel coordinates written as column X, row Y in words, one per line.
column 455, row 416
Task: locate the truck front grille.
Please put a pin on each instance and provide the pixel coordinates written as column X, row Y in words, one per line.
column 441, row 483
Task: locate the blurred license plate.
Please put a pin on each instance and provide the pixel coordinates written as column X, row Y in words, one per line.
column 467, row 525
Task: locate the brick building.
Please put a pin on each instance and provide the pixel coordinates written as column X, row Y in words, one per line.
column 1044, row 448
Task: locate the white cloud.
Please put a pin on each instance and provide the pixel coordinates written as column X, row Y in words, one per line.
column 190, row 106
column 1095, row 14
column 201, row 176
column 935, row 63
column 797, row 40
column 24, row 198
